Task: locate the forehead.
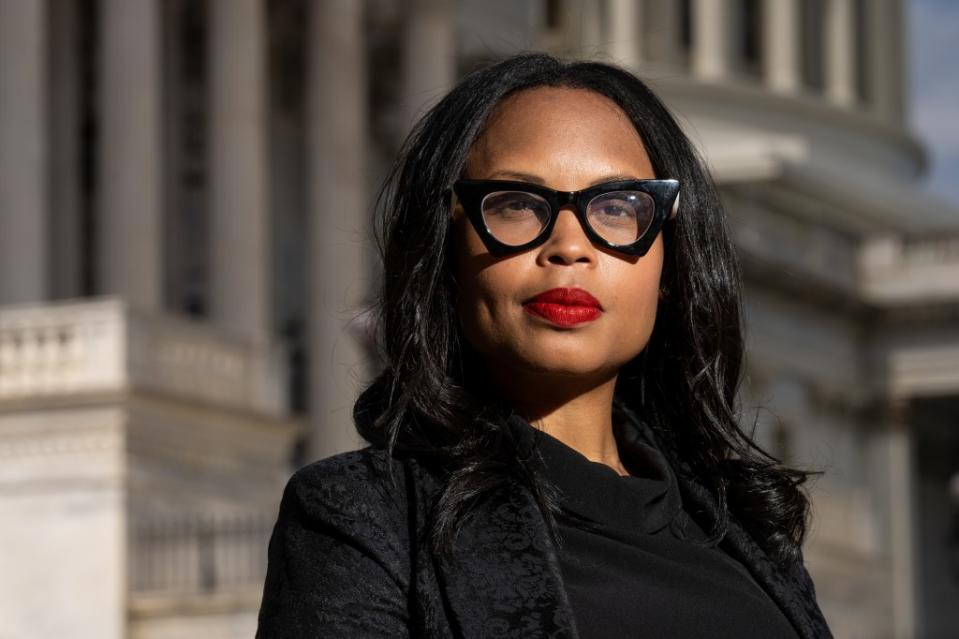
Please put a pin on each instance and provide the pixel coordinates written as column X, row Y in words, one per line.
column 557, row 129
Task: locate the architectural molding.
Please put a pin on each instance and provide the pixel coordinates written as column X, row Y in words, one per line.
column 753, row 102
column 102, row 346
column 63, row 443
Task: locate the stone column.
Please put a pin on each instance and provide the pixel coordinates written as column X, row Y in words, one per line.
column 781, row 22
column 130, row 190
column 240, row 233
column 714, row 25
column 580, row 32
column 586, row 28
column 339, row 218
column 429, row 56
column 625, row 33
column 840, row 52
column 885, row 59
column 24, row 254
column 67, row 245
column 891, row 457
column 663, row 32
column 902, row 517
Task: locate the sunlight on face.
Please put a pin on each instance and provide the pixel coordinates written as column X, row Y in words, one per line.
column 568, row 139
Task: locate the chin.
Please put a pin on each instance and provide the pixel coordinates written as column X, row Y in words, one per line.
column 557, row 365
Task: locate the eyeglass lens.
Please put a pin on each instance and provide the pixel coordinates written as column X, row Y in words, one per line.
column 517, row 217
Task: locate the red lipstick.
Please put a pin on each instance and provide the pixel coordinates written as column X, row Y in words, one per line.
column 565, row 306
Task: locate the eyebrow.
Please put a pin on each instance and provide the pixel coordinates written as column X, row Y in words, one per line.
column 535, row 179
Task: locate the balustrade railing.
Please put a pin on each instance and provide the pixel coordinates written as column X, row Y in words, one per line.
column 101, row 345
column 196, row 555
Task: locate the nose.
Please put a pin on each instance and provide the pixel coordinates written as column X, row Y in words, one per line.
column 568, row 243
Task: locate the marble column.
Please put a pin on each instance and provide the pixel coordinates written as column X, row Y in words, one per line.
column 662, row 32
column 24, row 162
column 585, row 25
column 840, row 58
column 429, row 56
column 130, row 191
column 339, row 217
column 885, row 59
column 625, row 33
column 902, row 518
column 892, row 480
column 240, row 233
column 714, row 24
column 781, row 24
column 67, row 244
column 580, row 30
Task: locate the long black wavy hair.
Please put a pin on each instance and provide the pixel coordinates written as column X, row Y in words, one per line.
column 429, row 399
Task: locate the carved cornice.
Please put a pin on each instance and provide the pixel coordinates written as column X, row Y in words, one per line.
column 55, row 453
column 912, row 273
column 62, row 443
column 750, row 101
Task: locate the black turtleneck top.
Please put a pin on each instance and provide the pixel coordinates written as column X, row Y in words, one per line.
column 633, row 561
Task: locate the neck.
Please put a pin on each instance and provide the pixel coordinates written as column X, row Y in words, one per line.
column 575, row 411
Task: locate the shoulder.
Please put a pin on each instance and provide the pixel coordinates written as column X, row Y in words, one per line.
column 356, row 484
column 345, row 510
column 341, row 540
column 361, row 486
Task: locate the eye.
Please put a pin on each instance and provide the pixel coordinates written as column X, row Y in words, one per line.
column 620, row 207
column 621, row 217
column 617, row 209
column 514, row 205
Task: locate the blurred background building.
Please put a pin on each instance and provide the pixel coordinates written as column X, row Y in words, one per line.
column 185, row 260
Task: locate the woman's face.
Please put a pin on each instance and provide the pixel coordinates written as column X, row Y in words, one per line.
column 566, row 139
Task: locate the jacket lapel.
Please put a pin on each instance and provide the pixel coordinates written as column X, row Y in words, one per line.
column 790, row 588
column 505, row 580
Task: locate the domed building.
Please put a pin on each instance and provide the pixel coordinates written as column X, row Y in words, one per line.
column 185, row 260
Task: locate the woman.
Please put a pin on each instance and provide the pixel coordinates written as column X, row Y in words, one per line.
column 554, row 444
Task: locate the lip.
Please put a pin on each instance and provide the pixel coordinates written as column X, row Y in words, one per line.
column 565, row 306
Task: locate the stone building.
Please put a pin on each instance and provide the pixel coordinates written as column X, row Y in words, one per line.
column 185, row 188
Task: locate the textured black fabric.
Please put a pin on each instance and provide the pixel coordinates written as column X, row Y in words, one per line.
column 631, row 559
column 348, row 558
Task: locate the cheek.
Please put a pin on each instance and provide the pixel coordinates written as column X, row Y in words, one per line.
column 484, row 289
column 637, row 302
column 486, row 303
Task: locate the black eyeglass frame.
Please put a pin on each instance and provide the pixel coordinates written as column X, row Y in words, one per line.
column 665, row 195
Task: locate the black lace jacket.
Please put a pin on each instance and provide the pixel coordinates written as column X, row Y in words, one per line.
column 348, row 558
